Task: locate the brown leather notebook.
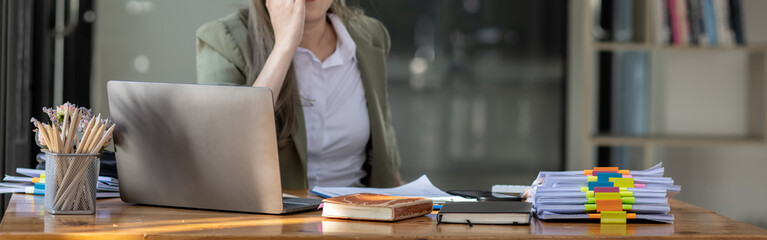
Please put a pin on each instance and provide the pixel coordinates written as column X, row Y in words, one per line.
column 377, row 207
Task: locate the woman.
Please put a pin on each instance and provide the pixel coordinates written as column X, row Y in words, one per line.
column 325, row 65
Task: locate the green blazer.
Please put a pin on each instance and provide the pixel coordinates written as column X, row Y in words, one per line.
column 222, row 58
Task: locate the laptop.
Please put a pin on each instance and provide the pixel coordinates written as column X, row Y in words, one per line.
column 198, row 146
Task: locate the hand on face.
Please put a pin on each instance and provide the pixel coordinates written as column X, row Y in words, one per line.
column 288, row 22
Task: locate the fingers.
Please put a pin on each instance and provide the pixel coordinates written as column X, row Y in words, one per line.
column 299, row 7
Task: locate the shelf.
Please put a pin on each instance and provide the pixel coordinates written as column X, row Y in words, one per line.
column 604, row 140
column 603, row 46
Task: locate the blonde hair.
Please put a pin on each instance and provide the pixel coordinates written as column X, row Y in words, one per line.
column 261, row 40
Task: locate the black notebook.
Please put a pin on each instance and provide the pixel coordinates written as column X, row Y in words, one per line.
column 485, row 212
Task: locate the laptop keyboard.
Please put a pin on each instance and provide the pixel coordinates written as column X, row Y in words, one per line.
column 293, row 204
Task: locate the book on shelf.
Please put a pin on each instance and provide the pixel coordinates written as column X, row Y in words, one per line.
column 673, row 22
column 500, row 212
column 699, row 22
column 376, row 207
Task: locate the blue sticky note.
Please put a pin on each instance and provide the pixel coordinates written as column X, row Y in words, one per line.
column 605, row 177
column 592, row 185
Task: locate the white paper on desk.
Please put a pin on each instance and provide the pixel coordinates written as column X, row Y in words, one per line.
column 665, row 218
column 107, row 194
column 29, row 172
column 17, row 179
column 421, row 187
column 109, row 180
column 585, row 195
column 654, row 171
column 581, row 201
column 21, row 185
column 574, row 181
column 104, row 187
column 578, row 189
column 11, row 190
column 572, row 209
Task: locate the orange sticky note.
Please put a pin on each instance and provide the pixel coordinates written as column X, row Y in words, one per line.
column 609, row 205
column 613, row 169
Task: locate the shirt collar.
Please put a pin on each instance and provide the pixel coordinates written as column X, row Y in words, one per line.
column 345, row 45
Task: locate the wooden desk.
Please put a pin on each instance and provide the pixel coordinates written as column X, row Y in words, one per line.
column 25, row 218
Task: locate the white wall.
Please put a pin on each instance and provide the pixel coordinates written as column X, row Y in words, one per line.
column 126, row 30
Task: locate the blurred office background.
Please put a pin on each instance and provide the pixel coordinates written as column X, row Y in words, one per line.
column 476, row 87
column 482, row 92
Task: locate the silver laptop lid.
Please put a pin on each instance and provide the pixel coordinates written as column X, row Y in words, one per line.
column 196, row 146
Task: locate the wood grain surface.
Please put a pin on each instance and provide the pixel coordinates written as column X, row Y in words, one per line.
column 26, row 218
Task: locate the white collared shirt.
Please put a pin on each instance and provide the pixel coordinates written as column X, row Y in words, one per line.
column 335, row 113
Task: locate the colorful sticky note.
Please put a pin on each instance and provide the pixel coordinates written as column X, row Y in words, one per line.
column 614, row 169
column 592, row 185
column 605, row 177
column 589, row 207
column 625, row 200
column 615, row 217
column 623, row 182
column 606, row 189
column 607, row 195
column 609, row 205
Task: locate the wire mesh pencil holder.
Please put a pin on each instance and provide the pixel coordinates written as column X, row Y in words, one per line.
column 70, row 183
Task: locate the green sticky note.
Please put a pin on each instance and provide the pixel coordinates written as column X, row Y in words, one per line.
column 618, row 217
column 623, row 182
column 628, row 200
column 607, row 195
column 590, row 207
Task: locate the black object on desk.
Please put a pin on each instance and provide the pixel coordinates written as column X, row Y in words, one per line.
column 485, row 213
column 484, row 196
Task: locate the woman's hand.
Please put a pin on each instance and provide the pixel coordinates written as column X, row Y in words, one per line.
column 288, row 22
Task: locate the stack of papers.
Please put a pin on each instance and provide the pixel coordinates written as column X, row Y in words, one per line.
column 107, row 187
column 421, row 187
column 571, row 195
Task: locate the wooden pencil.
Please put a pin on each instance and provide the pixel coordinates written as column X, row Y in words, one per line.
column 87, row 131
column 104, row 139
